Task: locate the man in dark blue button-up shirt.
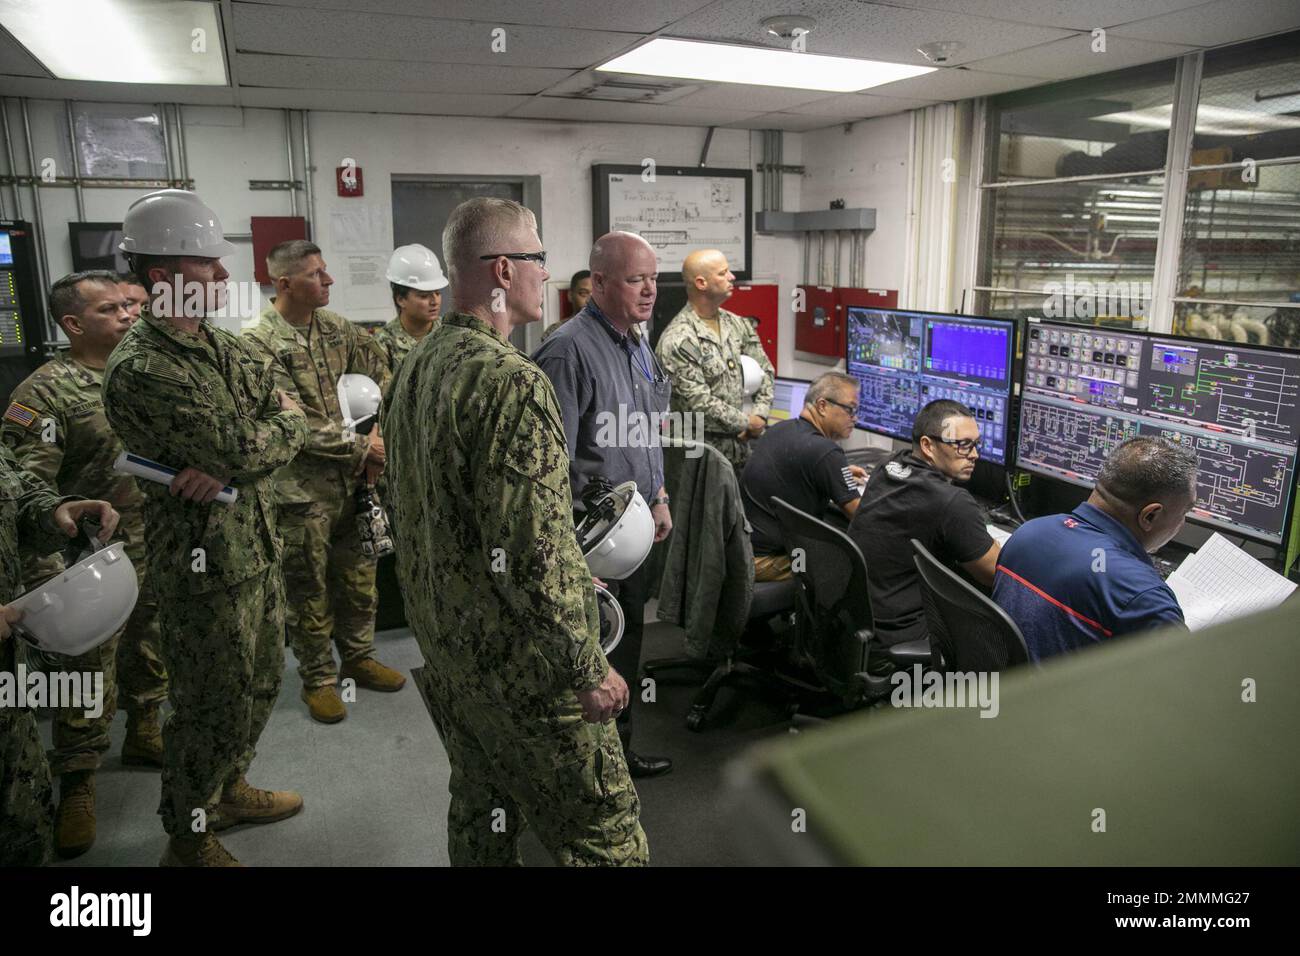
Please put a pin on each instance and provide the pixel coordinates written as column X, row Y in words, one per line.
column 613, row 396
column 1073, row 580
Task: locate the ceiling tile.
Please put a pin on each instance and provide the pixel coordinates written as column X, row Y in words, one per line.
column 271, row 29
column 865, row 30
column 1074, row 57
column 16, row 61
column 955, row 83
column 742, row 96
column 628, row 16
column 302, row 72
column 1055, row 13
column 1218, row 23
column 358, row 101
column 859, row 105
column 556, row 107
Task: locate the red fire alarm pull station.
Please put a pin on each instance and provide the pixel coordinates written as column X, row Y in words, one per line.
column 349, row 181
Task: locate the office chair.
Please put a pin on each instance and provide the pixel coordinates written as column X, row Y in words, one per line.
column 836, row 632
column 971, row 632
column 743, row 662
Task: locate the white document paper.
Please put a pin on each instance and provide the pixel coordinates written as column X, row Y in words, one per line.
column 1221, row 582
column 997, row 534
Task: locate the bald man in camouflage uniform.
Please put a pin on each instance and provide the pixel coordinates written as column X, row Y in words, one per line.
column 191, row 396
column 56, row 427
column 700, row 351
column 33, row 517
column 498, row 595
column 332, row 580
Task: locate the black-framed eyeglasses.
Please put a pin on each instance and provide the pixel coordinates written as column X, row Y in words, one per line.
column 851, row 409
column 538, row 257
column 962, row 446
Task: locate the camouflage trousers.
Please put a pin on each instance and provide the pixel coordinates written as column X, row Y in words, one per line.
column 566, row 778
column 332, row 585
column 225, row 657
column 26, row 791
column 134, row 677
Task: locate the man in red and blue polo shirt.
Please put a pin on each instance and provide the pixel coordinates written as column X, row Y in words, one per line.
column 1070, row 581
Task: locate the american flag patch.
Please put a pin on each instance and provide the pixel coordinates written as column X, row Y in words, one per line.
column 848, row 477
column 20, row 414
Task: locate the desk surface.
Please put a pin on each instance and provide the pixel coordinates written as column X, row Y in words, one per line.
column 1152, row 730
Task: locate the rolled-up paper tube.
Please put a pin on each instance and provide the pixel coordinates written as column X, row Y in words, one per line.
column 130, row 464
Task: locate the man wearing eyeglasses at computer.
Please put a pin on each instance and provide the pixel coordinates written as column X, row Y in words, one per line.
column 915, row 495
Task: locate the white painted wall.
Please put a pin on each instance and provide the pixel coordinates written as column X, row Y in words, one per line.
column 229, row 146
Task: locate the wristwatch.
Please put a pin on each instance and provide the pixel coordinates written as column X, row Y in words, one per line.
column 661, row 500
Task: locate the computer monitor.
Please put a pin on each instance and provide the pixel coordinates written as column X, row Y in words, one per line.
column 905, row 360
column 787, row 398
column 94, row 246
column 1236, row 406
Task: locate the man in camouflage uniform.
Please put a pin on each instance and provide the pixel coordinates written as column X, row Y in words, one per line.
column 497, row 592
column 32, row 516
column 332, row 580
column 56, row 427
column 416, row 281
column 701, row 349
column 191, row 396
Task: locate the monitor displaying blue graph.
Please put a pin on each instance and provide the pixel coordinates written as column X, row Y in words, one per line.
column 905, row 360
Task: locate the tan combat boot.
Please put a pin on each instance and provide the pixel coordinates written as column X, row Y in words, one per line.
column 368, row 672
column 324, row 704
column 241, row 803
column 143, row 746
column 74, row 823
column 198, row 849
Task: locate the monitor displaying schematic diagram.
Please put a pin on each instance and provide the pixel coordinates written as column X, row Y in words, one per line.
column 678, row 209
column 1236, row 406
column 905, row 360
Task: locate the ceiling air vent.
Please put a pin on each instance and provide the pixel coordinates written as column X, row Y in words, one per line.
column 634, row 91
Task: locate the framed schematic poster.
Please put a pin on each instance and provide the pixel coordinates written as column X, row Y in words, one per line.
column 678, row 209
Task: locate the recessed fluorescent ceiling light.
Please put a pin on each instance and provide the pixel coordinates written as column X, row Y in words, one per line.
column 121, row 41
column 760, row 66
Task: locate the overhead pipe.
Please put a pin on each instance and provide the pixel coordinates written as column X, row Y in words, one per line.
column 308, row 170
column 165, row 114
column 76, row 162
column 288, row 151
column 180, row 142
column 9, row 149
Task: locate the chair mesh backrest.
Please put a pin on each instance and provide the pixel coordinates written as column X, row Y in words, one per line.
column 833, row 578
column 973, row 633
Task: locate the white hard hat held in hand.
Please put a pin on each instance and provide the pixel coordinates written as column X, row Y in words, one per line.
column 753, row 375
column 173, row 222
column 83, row 606
column 416, row 267
column 617, row 530
column 359, row 398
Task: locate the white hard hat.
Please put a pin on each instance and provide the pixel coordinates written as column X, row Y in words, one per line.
column 84, row 606
column 359, row 397
column 173, row 222
column 416, row 267
column 752, row 373
column 611, row 620
column 616, row 532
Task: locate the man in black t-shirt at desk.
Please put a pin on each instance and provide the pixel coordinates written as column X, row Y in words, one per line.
column 914, row 495
column 799, row 461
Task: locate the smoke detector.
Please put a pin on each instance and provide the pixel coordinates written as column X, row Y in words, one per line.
column 940, row 51
column 789, row 26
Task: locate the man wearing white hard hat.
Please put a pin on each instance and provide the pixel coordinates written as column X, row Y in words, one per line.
column 326, row 567
column 416, row 281
column 31, row 515
column 184, row 393
column 703, row 351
